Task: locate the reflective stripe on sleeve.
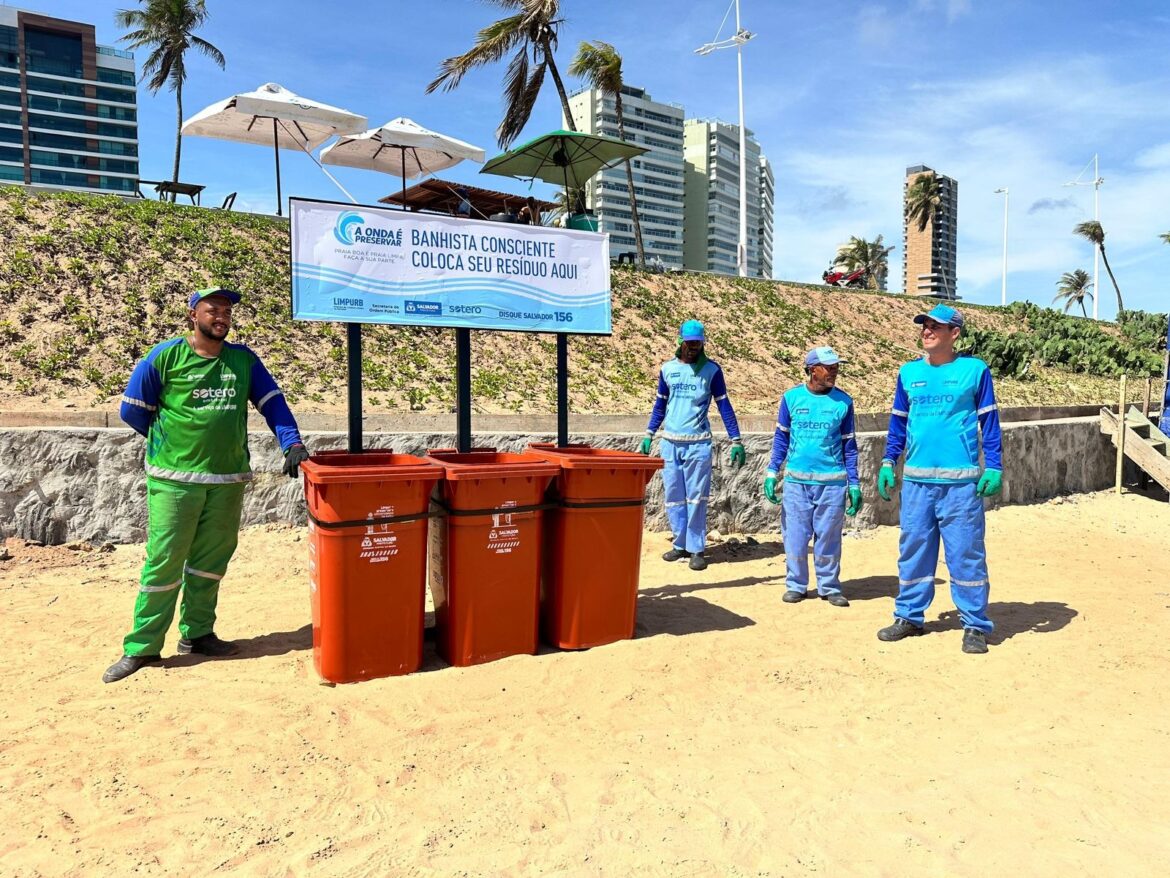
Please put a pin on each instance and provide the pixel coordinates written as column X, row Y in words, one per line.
column 267, row 396
column 129, row 400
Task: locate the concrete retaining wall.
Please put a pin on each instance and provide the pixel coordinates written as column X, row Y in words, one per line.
column 62, row 485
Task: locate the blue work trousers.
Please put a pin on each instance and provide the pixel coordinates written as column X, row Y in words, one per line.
column 813, row 513
column 687, row 480
column 953, row 513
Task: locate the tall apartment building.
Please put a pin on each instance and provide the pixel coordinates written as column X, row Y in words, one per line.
column 68, row 107
column 711, row 154
column 929, row 262
column 767, row 216
column 658, row 174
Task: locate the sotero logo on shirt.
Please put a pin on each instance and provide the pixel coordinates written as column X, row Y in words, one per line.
column 681, row 386
column 213, row 393
column 932, row 398
column 813, row 425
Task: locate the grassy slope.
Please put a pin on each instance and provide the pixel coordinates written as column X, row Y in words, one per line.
column 88, row 284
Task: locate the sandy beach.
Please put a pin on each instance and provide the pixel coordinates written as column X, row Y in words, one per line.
column 734, row 736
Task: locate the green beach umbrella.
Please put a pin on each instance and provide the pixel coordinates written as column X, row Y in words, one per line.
column 563, row 158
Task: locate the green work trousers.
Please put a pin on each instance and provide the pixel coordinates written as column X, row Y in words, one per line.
column 191, row 536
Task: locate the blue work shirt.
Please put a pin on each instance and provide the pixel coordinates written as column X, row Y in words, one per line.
column 941, row 411
column 685, row 393
column 815, row 434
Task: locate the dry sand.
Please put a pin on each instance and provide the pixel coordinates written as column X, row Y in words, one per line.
column 735, row 736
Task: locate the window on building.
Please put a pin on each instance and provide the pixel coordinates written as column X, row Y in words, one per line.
column 115, row 77
column 57, row 54
column 8, row 172
column 8, row 46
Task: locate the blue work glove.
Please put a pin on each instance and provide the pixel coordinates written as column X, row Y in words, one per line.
column 853, row 506
column 738, row 456
column 886, row 481
column 770, row 489
column 990, row 483
column 293, row 458
column 644, row 448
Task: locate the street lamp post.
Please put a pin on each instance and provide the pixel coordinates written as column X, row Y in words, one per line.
column 1096, row 184
column 741, row 37
column 1003, row 288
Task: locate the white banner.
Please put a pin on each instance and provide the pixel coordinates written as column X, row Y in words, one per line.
column 359, row 264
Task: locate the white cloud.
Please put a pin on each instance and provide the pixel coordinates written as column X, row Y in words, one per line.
column 953, row 8
column 1030, row 129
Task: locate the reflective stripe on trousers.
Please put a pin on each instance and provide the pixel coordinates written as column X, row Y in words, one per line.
column 954, row 514
column 191, row 535
column 816, row 513
column 687, row 482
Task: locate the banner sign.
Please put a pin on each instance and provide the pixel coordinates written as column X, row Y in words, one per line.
column 1164, row 422
column 359, row 264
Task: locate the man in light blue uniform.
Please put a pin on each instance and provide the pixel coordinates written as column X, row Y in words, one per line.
column 814, row 433
column 686, row 386
column 942, row 403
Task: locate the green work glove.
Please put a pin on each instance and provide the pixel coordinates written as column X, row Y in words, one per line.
column 990, row 483
column 644, row 448
column 770, row 489
column 853, row 506
column 738, row 455
column 886, row 481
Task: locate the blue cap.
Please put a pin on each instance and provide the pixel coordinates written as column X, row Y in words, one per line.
column 199, row 295
column 822, row 356
column 941, row 314
column 692, row 330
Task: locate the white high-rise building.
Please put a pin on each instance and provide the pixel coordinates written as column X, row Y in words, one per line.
column 711, row 155
column 658, row 174
column 767, row 216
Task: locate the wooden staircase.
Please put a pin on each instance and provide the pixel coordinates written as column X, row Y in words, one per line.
column 1144, row 443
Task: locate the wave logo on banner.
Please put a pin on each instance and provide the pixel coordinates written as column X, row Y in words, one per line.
column 347, row 223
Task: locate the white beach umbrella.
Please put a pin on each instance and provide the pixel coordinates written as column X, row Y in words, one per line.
column 401, row 147
column 273, row 115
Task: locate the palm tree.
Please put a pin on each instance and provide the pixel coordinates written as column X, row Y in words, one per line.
column 1074, row 287
column 1092, row 231
column 167, row 28
column 600, row 64
column 531, row 31
column 1165, row 236
column 873, row 256
column 923, row 200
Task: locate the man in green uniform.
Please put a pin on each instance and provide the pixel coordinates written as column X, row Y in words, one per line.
column 189, row 397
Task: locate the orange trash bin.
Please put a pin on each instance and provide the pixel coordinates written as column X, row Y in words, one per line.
column 593, row 544
column 367, row 561
column 485, row 554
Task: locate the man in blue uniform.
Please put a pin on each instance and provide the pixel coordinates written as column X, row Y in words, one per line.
column 815, row 435
column 686, row 386
column 943, row 404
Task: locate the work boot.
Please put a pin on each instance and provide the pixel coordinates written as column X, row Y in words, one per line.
column 792, row 596
column 127, row 665
column 974, row 641
column 836, row 599
column 208, row 644
column 698, row 562
column 901, row 628
column 675, row 555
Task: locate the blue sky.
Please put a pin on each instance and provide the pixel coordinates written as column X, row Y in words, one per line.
column 843, row 96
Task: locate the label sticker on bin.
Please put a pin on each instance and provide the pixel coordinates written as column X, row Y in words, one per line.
column 380, row 542
column 503, row 537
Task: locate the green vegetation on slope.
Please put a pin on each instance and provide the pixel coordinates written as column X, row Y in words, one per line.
column 88, row 284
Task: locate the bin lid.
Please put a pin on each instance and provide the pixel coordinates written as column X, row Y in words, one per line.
column 334, row 468
column 491, row 465
column 588, row 457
